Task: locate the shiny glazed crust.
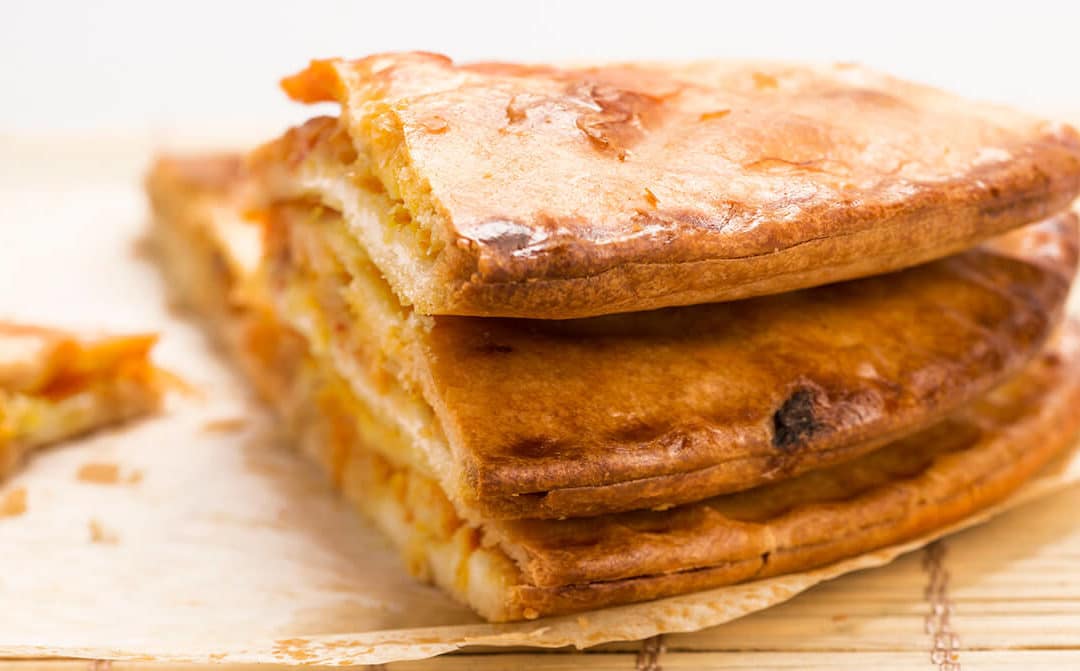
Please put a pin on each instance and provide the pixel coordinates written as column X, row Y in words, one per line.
column 584, row 417
column 554, row 193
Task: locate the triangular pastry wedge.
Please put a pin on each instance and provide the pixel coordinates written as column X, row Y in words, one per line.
column 56, row 385
column 497, row 189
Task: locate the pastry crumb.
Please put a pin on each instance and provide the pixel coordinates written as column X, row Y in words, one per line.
column 99, row 473
column 530, row 614
column 105, row 473
column 14, row 503
column 225, row 425
column 99, row 534
column 174, row 382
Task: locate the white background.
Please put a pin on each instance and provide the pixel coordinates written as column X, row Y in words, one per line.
column 166, row 68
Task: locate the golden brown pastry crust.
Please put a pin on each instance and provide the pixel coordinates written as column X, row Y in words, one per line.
column 583, row 417
column 970, row 460
column 568, row 192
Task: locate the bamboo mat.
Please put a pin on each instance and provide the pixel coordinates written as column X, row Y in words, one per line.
column 1009, row 592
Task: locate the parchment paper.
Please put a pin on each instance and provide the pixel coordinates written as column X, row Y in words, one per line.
column 195, row 536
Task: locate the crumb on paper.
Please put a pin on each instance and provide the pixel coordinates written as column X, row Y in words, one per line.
column 99, row 473
column 106, row 473
column 225, row 425
column 142, row 249
column 14, row 503
column 178, row 384
column 293, row 648
column 99, row 534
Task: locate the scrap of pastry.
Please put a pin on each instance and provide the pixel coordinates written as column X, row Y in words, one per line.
column 575, row 337
column 56, row 385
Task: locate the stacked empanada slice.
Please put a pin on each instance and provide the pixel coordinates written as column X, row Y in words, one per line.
column 485, row 299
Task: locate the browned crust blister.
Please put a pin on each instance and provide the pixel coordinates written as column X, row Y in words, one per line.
column 568, row 192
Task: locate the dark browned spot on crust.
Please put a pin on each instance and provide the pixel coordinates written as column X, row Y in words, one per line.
column 638, row 431
column 493, row 348
column 794, row 423
column 532, row 448
column 614, row 118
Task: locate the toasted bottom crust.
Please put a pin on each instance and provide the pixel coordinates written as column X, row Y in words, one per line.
column 531, row 568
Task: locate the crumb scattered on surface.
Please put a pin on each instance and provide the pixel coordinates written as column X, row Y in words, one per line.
column 13, row 503
column 174, row 382
column 142, row 249
column 225, row 425
column 105, row 473
column 99, row 534
column 99, row 473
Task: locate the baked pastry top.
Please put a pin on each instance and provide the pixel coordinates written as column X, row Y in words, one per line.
column 498, row 189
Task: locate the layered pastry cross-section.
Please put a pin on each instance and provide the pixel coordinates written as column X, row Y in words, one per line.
column 56, row 385
column 537, row 191
column 709, row 445
column 529, row 418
